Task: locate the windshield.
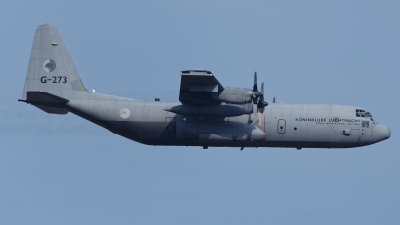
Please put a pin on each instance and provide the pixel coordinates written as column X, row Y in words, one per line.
column 362, row 113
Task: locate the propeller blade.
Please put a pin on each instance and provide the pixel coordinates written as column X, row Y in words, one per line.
column 260, row 105
column 260, row 118
column 255, row 89
column 256, row 94
column 262, row 89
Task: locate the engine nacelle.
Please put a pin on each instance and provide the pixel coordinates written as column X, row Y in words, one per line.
column 235, row 95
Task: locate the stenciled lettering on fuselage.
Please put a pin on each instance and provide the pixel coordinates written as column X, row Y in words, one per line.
column 336, row 121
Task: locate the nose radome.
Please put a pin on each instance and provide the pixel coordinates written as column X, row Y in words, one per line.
column 381, row 132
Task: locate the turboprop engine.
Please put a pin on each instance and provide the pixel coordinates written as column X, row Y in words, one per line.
column 202, row 95
column 244, row 95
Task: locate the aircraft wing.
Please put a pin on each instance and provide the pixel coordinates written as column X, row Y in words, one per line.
column 199, row 87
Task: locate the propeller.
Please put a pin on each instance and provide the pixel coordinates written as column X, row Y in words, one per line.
column 261, row 105
column 256, row 95
column 258, row 98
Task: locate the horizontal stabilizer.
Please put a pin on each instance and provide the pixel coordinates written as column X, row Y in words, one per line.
column 44, row 98
column 47, row 102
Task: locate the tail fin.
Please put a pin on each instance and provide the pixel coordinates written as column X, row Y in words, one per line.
column 50, row 67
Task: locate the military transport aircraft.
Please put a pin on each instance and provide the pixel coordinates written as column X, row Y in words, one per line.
column 208, row 113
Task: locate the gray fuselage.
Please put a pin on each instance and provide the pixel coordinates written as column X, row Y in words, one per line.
column 284, row 125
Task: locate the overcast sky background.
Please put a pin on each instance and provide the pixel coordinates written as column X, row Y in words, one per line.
column 58, row 169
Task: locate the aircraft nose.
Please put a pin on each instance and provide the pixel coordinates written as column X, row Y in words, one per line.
column 381, row 132
column 257, row 135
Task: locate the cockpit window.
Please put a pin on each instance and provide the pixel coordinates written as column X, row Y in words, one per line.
column 362, row 113
column 367, row 114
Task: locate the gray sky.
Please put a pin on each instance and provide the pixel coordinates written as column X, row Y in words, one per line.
column 64, row 170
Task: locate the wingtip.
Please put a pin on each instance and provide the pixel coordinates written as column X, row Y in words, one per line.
column 47, row 25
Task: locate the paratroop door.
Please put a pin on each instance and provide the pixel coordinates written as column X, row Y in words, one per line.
column 281, row 126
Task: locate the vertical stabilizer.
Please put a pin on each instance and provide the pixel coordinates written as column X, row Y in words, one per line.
column 50, row 67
